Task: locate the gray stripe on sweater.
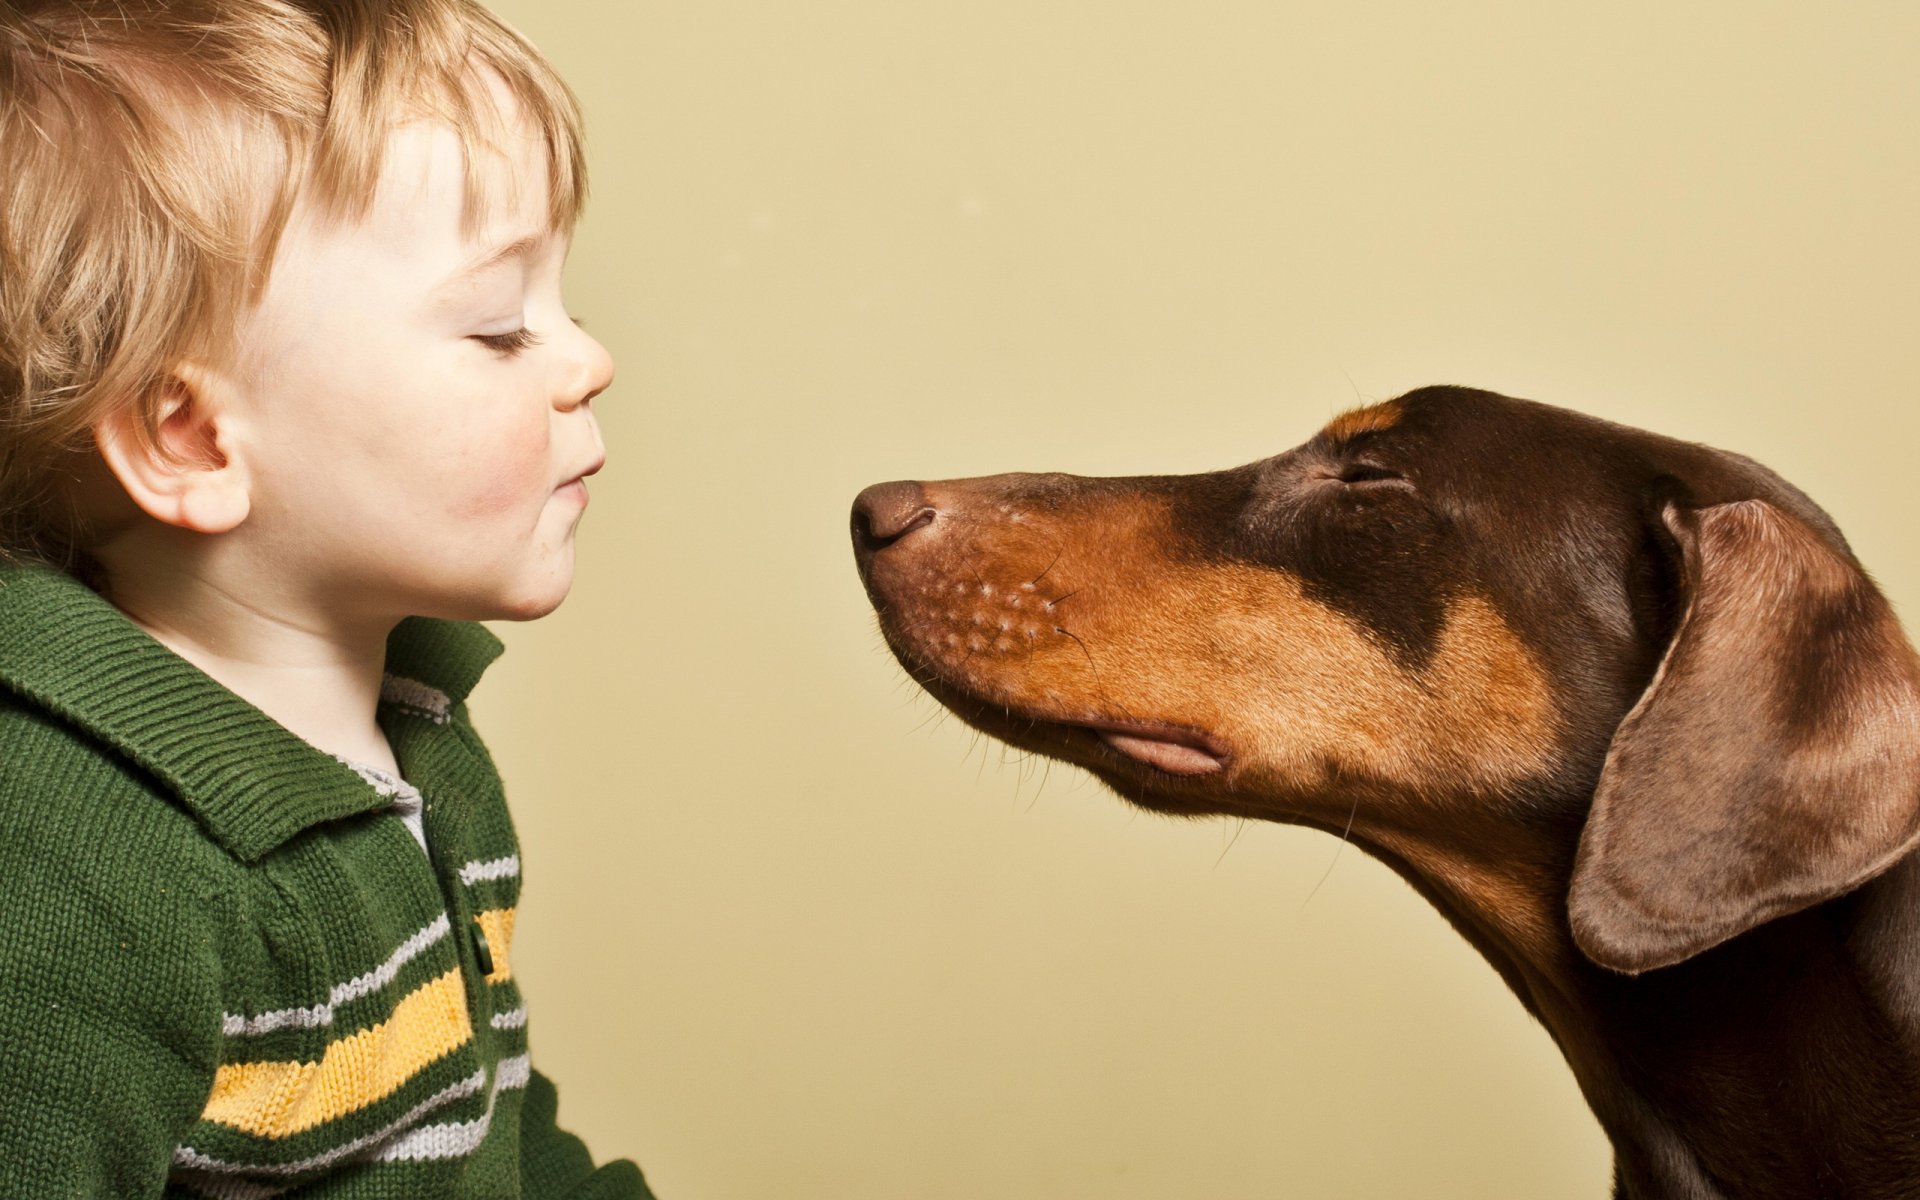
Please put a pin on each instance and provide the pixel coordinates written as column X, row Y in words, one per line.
column 498, row 868
column 422, row 698
column 236, row 1025
column 457, row 1139
column 195, row 1162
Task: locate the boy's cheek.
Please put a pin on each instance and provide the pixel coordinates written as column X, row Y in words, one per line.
column 490, row 501
column 500, row 476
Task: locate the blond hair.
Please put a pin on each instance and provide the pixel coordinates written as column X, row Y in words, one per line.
column 150, row 153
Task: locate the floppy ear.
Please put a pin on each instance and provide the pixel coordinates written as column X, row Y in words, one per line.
column 1773, row 762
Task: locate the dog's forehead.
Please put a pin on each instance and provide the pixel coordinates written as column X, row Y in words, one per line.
column 1462, row 445
column 1472, row 443
column 1459, row 419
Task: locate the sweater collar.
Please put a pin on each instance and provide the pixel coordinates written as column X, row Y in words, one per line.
column 249, row 780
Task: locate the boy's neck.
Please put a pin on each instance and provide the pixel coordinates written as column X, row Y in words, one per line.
column 313, row 674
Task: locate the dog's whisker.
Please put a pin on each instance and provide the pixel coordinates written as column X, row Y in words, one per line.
column 1046, row 774
column 1030, row 766
column 1239, row 827
column 1034, row 582
column 1334, row 861
column 1083, row 649
column 1099, row 684
column 1359, row 400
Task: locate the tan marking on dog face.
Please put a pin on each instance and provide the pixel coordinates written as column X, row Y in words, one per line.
column 1489, row 883
column 1308, row 695
column 1075, row 611
column 1370, row 419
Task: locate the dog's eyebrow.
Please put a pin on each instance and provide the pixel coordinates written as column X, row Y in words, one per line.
column 1371, row 418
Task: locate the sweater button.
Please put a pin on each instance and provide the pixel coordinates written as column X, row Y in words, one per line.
column 482, row 953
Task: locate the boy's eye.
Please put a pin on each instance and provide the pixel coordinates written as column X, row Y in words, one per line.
column 508, row 343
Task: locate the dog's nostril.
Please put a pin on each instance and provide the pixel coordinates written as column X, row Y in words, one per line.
column 887, row 512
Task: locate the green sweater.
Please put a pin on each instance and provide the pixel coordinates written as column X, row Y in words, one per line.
column 226, row 968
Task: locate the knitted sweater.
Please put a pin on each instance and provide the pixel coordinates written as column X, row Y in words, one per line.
column 226, row 969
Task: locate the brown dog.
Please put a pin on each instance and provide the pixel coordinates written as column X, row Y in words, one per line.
column 1626, row 709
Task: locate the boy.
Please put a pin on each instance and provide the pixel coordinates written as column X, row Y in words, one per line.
column 288, row 398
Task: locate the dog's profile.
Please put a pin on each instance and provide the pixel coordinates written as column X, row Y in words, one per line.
column 1624, row 708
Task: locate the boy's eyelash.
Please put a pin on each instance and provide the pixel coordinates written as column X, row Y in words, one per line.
column 508, row 343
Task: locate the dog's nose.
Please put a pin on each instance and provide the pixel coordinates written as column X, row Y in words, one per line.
column 887, row 512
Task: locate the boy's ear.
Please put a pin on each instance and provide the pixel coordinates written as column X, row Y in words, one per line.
column 187, row 475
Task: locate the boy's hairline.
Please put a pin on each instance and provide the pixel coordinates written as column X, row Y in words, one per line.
column 306, row 204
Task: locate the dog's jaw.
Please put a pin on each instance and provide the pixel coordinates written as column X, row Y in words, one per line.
column 1076, row 619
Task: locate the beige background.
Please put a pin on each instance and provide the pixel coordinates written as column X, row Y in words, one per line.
column 789, row 937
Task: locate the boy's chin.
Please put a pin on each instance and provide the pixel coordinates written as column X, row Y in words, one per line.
column 530, row 602
column 533, row 605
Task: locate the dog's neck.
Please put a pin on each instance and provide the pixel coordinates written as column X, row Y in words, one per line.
column 1704, row 1073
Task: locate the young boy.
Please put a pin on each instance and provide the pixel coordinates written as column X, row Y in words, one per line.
column 288, row 398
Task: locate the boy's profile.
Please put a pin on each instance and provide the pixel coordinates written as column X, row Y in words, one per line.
column 288, row 399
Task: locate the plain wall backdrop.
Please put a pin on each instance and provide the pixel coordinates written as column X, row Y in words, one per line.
column 789, row 934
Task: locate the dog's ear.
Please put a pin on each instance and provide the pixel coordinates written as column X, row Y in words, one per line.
column 1773, row 762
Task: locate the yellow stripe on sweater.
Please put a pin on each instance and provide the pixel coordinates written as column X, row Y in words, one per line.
column 497, row 924
column 279, row 1099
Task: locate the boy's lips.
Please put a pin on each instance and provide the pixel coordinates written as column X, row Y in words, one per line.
column 592, row 468
column 575, row 487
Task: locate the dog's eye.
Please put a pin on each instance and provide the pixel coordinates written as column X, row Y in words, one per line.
column 1365, row 472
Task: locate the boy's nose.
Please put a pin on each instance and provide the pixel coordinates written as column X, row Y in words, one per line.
column 594, row 374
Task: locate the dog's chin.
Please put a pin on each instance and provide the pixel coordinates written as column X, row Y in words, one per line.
column 1155, row 763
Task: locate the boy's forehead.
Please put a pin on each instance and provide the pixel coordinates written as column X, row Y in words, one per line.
column 426, row 176
column 413, row 252
column 463, row 168
column 430, row 210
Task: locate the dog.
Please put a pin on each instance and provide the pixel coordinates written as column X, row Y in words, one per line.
column 1626, row 709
